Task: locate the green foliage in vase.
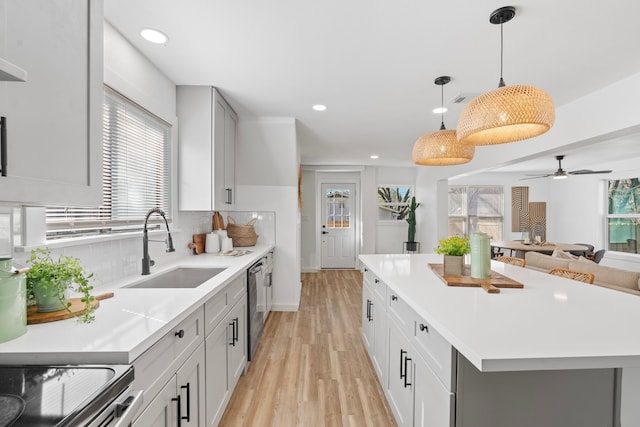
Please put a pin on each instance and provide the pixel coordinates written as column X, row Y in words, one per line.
column 411, row 220
column 453, row 246
column 55, row 277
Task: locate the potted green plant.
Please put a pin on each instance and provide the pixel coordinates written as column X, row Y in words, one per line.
column 454, row 249
column 411, row 243
column 49, row 282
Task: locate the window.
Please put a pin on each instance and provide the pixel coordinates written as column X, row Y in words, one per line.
column 136, row 146
column 393, row 202
column 476, row 209
column 623, row 217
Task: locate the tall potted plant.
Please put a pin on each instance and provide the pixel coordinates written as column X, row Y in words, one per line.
column 454, row 249
column 411, row 243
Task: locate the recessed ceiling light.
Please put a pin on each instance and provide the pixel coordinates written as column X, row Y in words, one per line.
column 319, row 107
column 154, row 36
column 440, row 110
column 374, row 156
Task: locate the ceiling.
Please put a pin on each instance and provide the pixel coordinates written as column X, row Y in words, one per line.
column 373, row 62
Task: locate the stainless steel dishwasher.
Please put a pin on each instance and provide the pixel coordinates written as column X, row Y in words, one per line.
column 255, row 312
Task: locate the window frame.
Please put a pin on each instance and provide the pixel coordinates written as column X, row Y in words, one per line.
column 101, row 224
column 480, row 218
column 608, row 216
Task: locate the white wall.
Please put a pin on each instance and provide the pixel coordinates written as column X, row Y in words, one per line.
column 267, row 159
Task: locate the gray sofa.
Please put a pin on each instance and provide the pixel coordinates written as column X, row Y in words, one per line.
column 608, row 277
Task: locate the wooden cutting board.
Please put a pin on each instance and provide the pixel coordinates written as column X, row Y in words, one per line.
column 491, row 285
column 77, row 307
column 199, row 241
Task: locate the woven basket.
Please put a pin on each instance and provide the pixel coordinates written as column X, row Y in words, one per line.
column 242, row 235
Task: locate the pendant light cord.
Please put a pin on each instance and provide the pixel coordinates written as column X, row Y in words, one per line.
column 501, row 84
column 442, row 107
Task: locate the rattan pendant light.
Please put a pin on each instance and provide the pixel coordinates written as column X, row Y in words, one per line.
column 509, row 113
column 441, row 148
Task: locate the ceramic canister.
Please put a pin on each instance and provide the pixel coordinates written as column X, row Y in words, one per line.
column 480, row 256
column 226, row 244
column 212, row 244
column 13, row 302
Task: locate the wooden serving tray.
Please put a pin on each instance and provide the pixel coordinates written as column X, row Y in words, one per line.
column 491, row 285
column 77, row 307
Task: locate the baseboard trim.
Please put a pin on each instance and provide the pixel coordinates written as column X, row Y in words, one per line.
column 285, row 307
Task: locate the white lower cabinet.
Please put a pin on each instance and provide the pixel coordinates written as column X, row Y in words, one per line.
column 399, row 389
column 374, row 319
column 181, row 402
column 226, row 357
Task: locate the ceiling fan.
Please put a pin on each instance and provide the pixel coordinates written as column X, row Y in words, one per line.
column 562, row 174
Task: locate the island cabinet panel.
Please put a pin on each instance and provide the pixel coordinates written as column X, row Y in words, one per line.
column 414, row 392
column 556, row 398
column 374, row 320
column 54, row 118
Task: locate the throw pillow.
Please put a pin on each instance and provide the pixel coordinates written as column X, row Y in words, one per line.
column 559, row 253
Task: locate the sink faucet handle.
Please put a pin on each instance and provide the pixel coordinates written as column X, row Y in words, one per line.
column 152, row 263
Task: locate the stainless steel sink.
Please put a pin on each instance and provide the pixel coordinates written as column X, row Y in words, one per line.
column 182, row 277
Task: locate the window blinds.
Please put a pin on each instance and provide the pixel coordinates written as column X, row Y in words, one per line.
column 136, row 148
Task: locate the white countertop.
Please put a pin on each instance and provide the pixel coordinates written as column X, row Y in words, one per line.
column 553, row 323
column 127, row 324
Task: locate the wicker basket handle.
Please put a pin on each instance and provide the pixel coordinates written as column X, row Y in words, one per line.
column 230, row 220
column 253, row 221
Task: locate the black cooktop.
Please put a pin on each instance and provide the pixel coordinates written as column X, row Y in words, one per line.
column 37, row 396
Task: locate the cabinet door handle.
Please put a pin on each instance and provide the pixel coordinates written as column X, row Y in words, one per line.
column 235, row 330
column 365, row 270
column 233, row 333
column 188, row 388
column 180, row 333
column 370, row 312
column 394, row 298
column 3, row 146
column 424, row 327
column 402, row 373
column 178, row 417
column 406, row 375
column 229, row 195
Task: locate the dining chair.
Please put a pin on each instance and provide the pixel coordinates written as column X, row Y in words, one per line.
column 512, row 260
column 598, row 255
column 588, row 253
column 580, row 276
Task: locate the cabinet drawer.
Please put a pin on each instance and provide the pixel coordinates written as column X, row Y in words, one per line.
column 377, row 286
column 158, row 364
column 237, row 290
column 219, row 305
column 401, row 313
column 435, row 350
column 214, row 311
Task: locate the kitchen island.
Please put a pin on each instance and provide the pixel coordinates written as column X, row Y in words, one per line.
column 548, row 354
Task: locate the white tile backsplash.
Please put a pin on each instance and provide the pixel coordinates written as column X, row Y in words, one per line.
column 112, row 260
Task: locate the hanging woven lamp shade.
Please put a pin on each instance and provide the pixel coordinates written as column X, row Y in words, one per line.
column 506, row 114
column 441, row 148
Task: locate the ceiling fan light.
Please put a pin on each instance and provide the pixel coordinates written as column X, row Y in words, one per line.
column 506, row 114
column 441, row 148
column 560, row 176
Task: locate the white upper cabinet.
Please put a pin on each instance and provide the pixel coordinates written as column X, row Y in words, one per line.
column 54, row 118
column 207, row 143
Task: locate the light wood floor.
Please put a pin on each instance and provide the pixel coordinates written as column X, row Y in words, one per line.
column 311, row 367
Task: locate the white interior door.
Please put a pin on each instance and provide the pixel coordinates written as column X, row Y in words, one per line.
column 338, row 234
